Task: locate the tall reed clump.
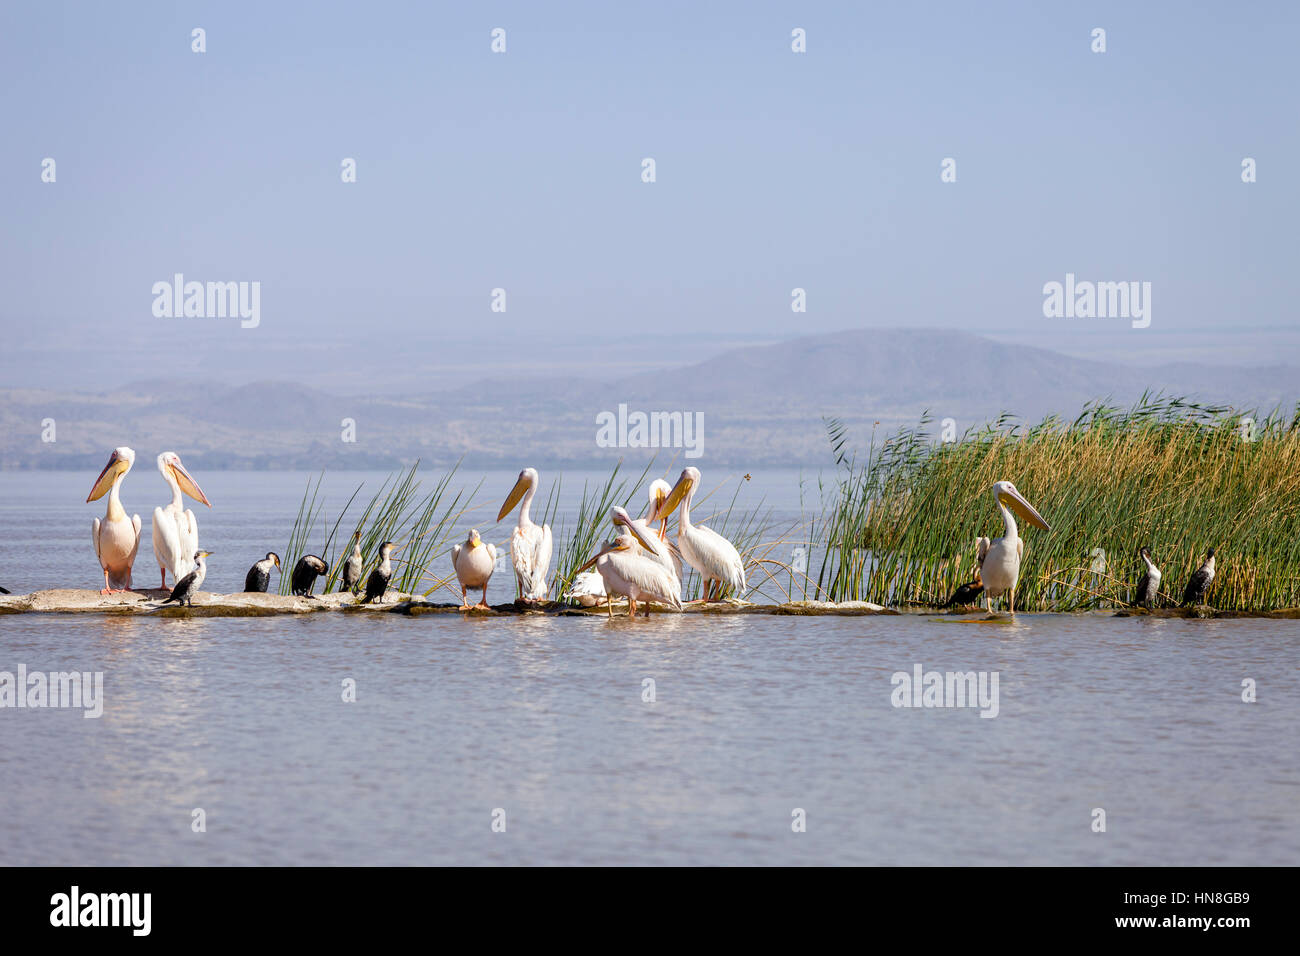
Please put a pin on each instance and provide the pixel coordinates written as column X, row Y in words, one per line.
column 1167, row 473
column 422, row 524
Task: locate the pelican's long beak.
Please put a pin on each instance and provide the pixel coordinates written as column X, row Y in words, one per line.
column 636, row 533
column 669, row 504
column 512, row 499
column 1017, row 503
column 106, row 477
column 592, row 562
column 188, row 484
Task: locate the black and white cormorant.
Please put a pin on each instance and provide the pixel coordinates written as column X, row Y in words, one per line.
column 377, row 583
column 305, row 572
column 1148, row 588
column 259, row 575
column 188, row 586
column 1200, row 581
column 352, row 567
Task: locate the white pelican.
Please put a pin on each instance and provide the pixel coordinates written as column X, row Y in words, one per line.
column 655, row 548
column 530, row 545
column 635, row 575
column 709, row 553
column 588, row 588
column 999, row 559
column 474, row 562
column 175, row 532
column 117, row 537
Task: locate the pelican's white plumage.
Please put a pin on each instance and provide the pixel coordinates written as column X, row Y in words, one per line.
column 175, row 530
column 632, row 573
column 530, row 545
column 474, row 562
column 588, row 589
column 709, row 553
column 116, row 537
column 1000, row 558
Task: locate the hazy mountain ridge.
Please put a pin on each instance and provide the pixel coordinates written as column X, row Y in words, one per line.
column 761, row 404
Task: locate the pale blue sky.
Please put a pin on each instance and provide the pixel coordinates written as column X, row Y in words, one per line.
column 522, row 170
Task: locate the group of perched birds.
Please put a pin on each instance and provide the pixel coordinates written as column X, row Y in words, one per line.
column 1146, row 593
column 639, row 563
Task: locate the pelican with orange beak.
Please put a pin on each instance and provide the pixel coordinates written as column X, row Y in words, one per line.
column 1000, row 559
column 709, row 553
column 530, row 545
column 628, row 570
column 175, row 532
column 116, row 537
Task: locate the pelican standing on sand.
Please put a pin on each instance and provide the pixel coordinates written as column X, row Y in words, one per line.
column 530, row 545
column 999, row 559
column 474, row 562
column 175, row 532
column 117, row 537
column 631, row 572
column 709, row 553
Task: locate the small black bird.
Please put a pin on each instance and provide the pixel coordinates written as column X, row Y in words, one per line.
column 305, row 572
column 1200, row 581
column 968, row 593
column 4, row 590
column 259, row 575
column 352, row 567
column 377, row 583
column 188, row 586
column 1149, row 584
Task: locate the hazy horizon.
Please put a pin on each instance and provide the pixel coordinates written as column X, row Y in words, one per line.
column 521, row 170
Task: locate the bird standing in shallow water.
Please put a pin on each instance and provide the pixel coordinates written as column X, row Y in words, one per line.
column 1148, row 586
column 1200, row 581
column 305, row 572
column 627, row 568
column 377, row 583
column 1000, row 558
column 259, row 575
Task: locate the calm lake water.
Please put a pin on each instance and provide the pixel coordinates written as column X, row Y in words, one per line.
column 545, row 719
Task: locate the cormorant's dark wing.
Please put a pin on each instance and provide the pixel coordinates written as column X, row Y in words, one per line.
column 966, row 594
column 257, row 579
column 1196, row 586
column 1144, row 594
column 4, row 590
column 183, row 587
column 376, row 585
